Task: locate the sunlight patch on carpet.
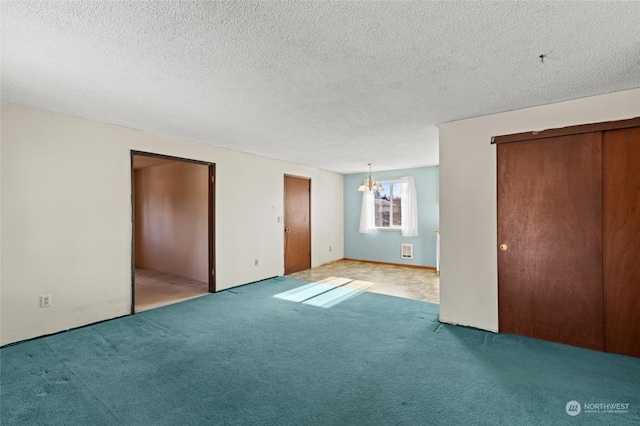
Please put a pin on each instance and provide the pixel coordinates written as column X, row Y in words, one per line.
column 326, row 293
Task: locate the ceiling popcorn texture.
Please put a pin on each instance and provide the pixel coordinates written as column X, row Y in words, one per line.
column 333, row 85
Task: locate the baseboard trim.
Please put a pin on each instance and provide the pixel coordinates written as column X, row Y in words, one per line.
column 391, row 264
column 18, row 342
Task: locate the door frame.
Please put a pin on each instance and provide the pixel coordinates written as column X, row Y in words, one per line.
column 284, row 218
column 567, row 131
column 211, row 218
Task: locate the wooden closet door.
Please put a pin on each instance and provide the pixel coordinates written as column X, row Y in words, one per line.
column 621, row 168
column 297, row 219
column 550, row 239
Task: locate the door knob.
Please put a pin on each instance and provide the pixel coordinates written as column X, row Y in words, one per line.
column 287, row 229
column 504, row 247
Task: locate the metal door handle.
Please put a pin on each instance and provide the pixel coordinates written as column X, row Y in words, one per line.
column 504, row 247
column 287, row 229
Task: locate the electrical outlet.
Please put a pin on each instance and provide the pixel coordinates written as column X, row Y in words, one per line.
column 256, row 262
column 45, row 301
column 329, row 248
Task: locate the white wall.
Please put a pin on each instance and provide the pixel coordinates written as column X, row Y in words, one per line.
column 66, row 217
column 468, row 218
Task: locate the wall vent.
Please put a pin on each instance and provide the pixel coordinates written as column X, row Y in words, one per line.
column 407, row 251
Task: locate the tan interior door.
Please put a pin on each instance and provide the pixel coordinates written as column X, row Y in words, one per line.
column 621, row 165
column 550, row 239
column 297, row 222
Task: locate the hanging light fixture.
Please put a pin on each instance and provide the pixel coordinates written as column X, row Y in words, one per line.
column 369, row 184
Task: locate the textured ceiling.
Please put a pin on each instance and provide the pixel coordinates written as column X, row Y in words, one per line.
column 332, row 85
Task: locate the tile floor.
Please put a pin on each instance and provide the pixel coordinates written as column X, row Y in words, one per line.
column 155, row 289
column 400, row 281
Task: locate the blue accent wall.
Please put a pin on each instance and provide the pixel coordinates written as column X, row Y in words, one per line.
column 385, row 245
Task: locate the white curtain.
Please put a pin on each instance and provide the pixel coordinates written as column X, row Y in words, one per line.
column 367, row 214
column 409, row 207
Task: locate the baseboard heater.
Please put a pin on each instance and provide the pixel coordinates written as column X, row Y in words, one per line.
column 407, row 251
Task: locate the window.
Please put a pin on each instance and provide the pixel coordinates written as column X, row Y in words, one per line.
column 387, row 205
column 395, row 207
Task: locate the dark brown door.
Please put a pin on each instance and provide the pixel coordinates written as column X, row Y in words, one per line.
column 550, row 239
column 621, row 165
column 297, row 222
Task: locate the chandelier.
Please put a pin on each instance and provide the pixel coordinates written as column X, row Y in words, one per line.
column 369, row 184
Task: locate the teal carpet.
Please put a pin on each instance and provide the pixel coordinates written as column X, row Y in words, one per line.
column 245, row 357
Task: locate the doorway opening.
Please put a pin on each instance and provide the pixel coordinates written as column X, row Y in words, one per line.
column 172, row 244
